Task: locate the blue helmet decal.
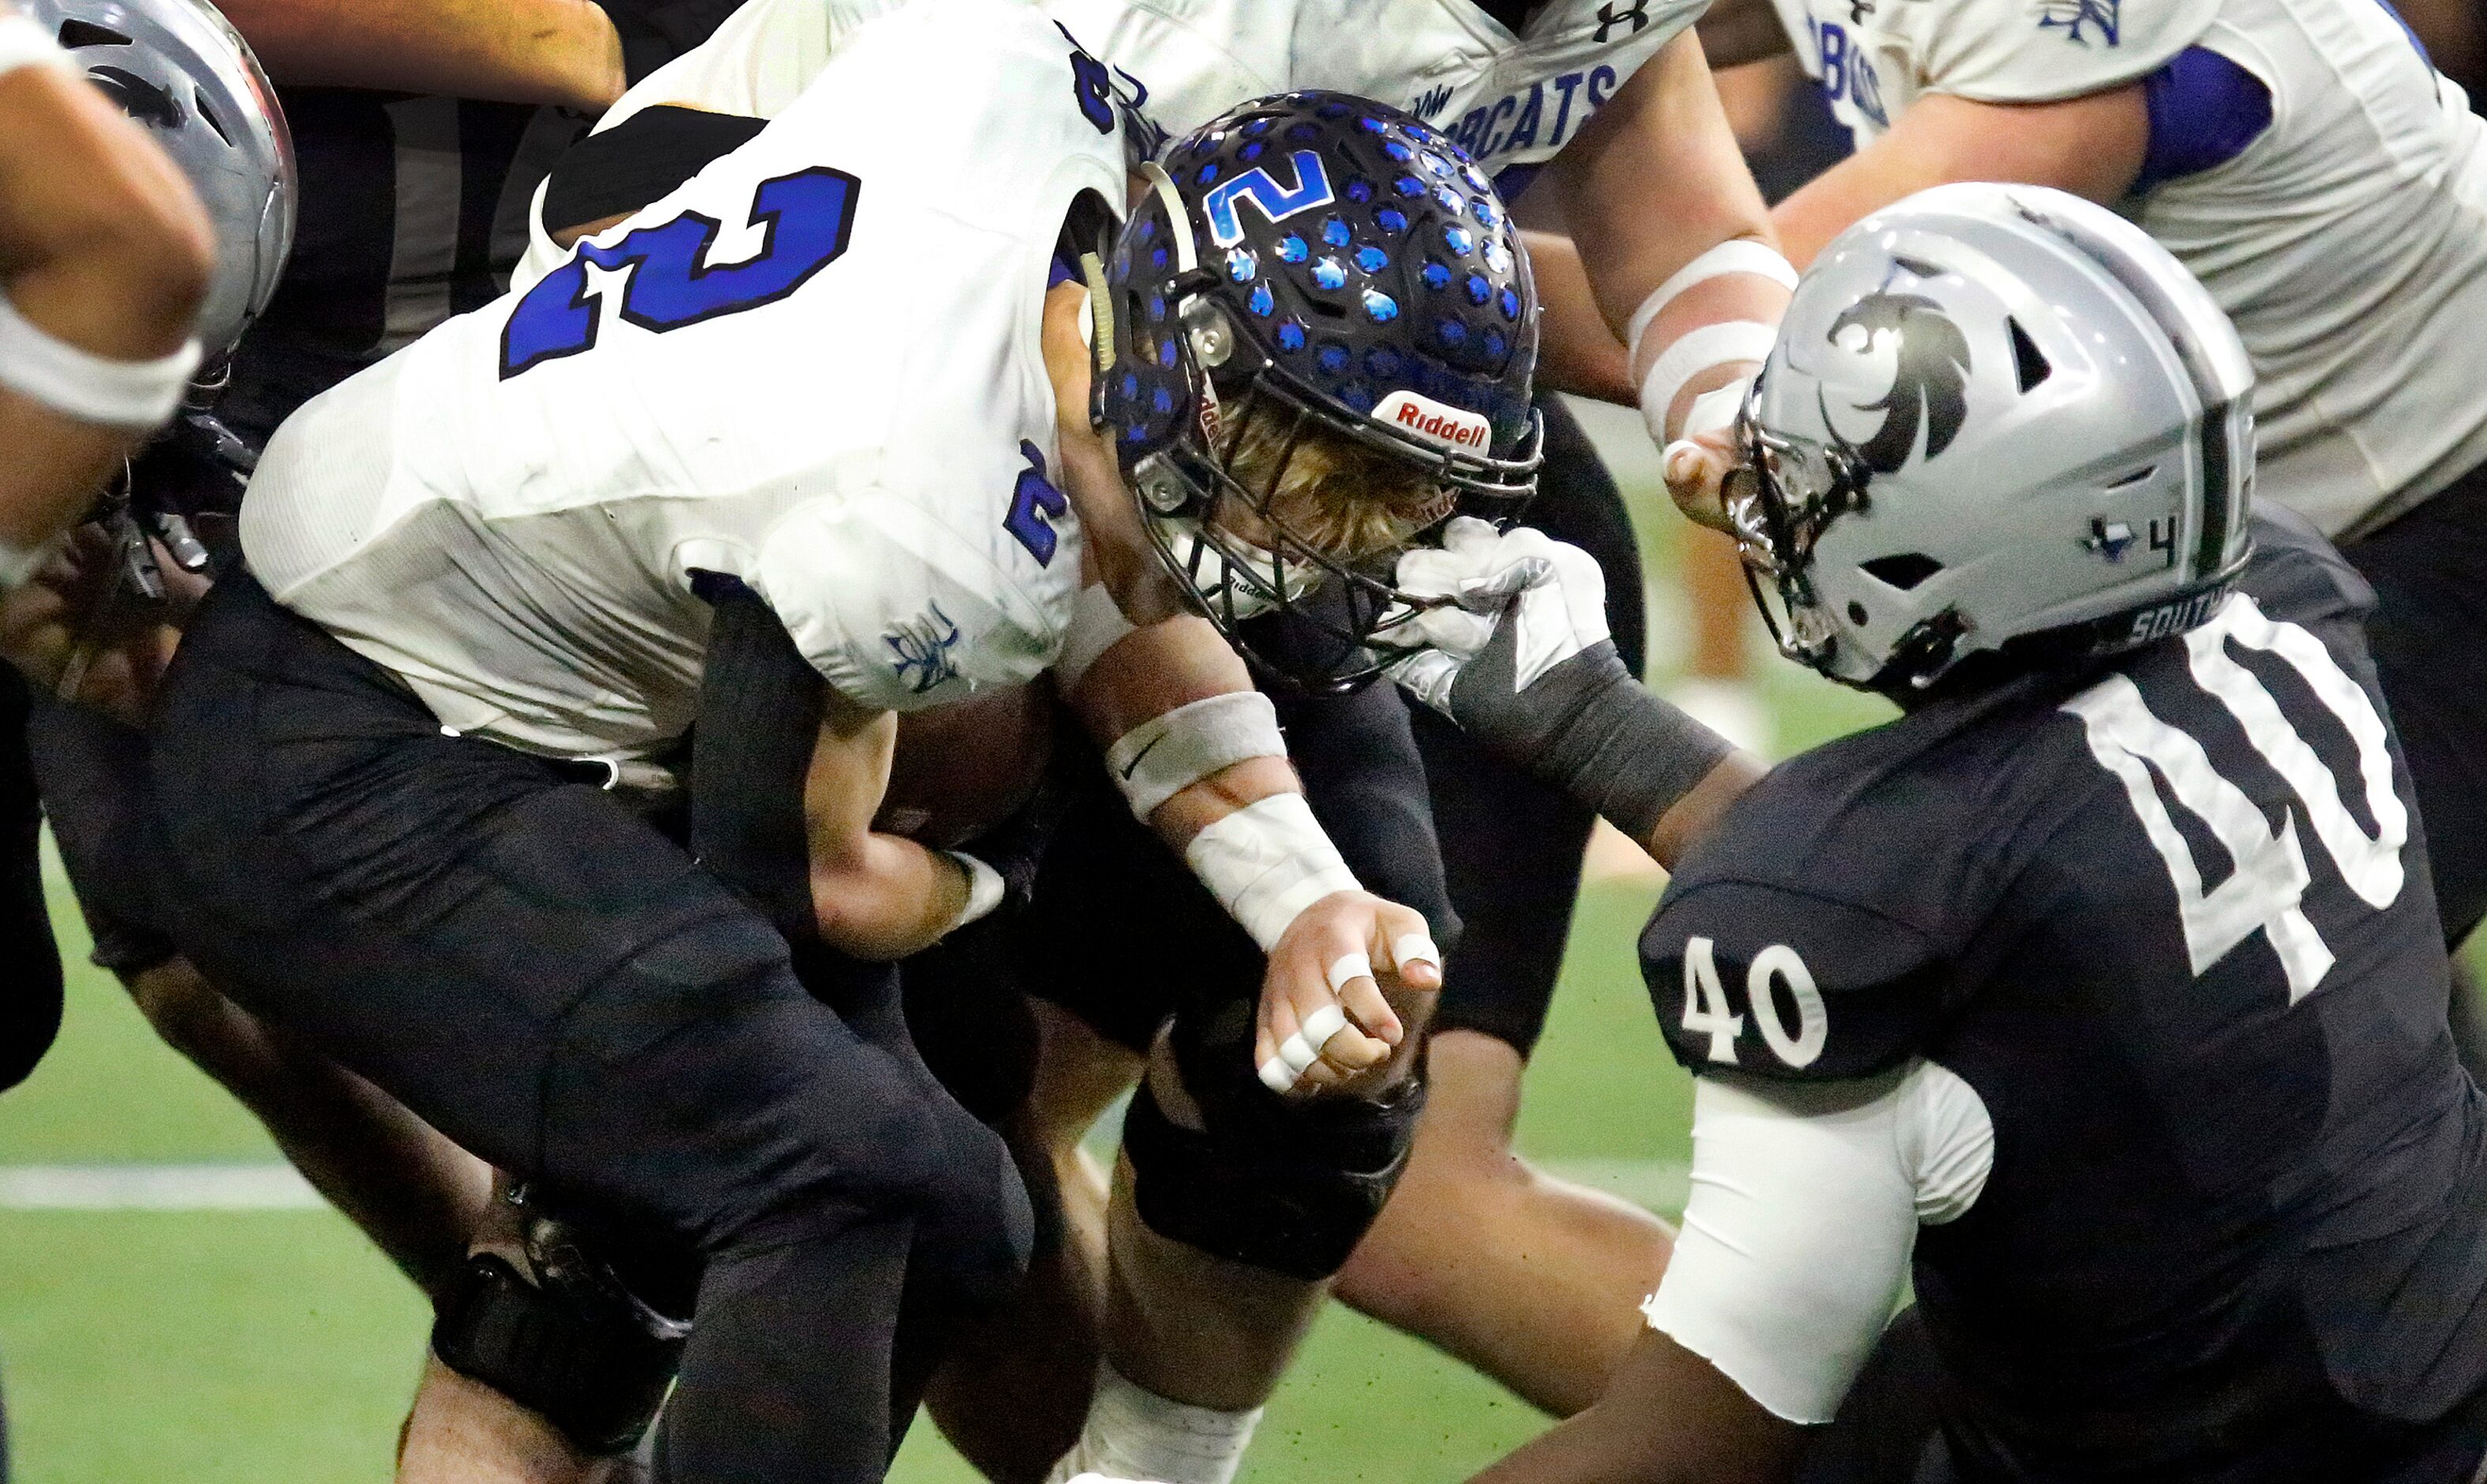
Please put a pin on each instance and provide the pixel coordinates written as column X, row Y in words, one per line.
column 1277, row 202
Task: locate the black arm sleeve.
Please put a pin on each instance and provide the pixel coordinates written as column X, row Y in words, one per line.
column 760, row 713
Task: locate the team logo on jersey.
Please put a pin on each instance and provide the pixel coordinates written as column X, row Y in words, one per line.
column 2080, row 19
column 1275, row 202
column 1451, row 427
column 1612, row 15
column 920, row 648
column 1929, row 359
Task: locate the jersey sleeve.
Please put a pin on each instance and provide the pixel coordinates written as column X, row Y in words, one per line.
column 2033, row 52
column 1771, row 981
column 896, row 611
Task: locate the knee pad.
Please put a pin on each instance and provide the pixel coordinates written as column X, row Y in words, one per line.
column 1291, row 1189
column 574, row 1345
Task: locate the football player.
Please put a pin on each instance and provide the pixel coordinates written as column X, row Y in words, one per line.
column 106, row 258
column 492, row 582
column 2330, row 190
column 2102, row 993
column 1613, row 107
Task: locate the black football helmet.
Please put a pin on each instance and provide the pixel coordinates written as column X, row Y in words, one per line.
column 1338, row 267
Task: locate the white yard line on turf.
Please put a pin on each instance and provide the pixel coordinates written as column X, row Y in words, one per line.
column 156, row 1188
column 1659, row 1183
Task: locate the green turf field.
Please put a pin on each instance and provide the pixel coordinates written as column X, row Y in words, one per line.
column 265, row 1346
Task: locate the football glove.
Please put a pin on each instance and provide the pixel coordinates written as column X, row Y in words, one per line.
column 1523, row 660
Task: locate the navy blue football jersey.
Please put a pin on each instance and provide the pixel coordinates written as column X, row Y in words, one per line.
column 2171, row 918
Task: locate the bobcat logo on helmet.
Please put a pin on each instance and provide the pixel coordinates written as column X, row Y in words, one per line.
column 1929, row 378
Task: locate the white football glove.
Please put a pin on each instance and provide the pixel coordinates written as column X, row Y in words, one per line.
column 1524, row 664
column 1561, row 607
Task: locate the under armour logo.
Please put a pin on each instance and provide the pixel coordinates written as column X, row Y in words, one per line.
column 1858, row 10
column 1610, row 17
column 922, row 645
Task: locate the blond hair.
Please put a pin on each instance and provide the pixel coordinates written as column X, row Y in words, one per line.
column 1345, row 500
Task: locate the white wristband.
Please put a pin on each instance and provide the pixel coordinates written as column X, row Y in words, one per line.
column 1266, row 862
column 1164, row 755
column 134, row 396
column 1694, row 352
column 23, row 39
column 984, row 889
column 1736, row 255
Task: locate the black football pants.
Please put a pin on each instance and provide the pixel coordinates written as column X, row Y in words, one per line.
column 537, row 971
column 2429, row 569
column 1512, row 844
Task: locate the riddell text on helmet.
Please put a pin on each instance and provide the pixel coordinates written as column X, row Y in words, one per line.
column 1431, row 420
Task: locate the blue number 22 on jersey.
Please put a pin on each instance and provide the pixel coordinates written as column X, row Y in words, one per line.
column 806, row 217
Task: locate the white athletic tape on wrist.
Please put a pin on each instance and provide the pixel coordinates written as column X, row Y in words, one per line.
column 134, row 395
column 1694, row 352
column 1348, row 968
column 1164, row 755
column 1096, row 625
column 1736, row 255
column 23, row 39
column 984, row 888
column 1414, row 949
column 1266, row 862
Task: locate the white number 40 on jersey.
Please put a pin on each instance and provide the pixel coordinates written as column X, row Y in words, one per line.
column 2270, row 877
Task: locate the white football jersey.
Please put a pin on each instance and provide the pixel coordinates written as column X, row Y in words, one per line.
column 816, row 367
column 2348, row 241
column 1509, row 99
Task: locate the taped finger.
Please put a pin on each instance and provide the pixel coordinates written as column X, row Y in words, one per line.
column 1344, row 970
column 1279, row 1077
column 1297, row 1053
column 1414, row 949
column 1323, row 1025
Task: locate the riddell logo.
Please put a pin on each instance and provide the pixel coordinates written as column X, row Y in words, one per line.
column 1431, row 421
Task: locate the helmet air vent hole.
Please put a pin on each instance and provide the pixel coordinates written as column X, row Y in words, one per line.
column 1327, row 309
column 208, row 115
column 1902, row 571
column 2127, row 480
column 75, row 33
column 2025, row 357
column 1856, row 614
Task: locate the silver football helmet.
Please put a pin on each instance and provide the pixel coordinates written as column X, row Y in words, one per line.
column 1995, row 415
column 184, row 74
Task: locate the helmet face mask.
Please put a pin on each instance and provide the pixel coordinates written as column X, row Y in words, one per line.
column 1779, row 501
column 1261, row 338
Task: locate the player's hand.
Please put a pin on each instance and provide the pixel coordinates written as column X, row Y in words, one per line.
column 1324, row 1015
column 1696, row 470
column 1526, row 640
column 77, row 631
